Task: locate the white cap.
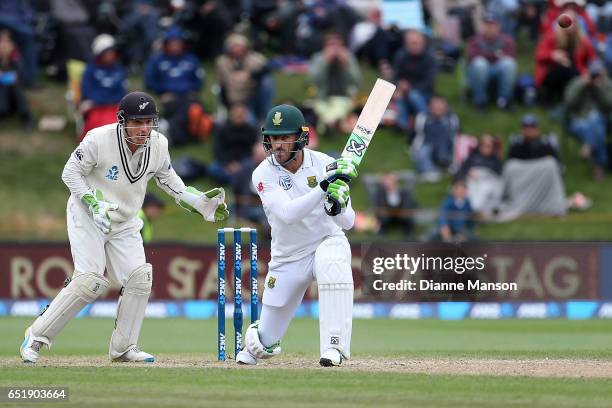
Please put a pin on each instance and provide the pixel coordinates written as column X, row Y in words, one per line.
column 561, row 3
column 102, row 43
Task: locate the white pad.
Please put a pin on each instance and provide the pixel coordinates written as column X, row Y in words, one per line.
column 131, row 310
column 254, row 346
column 83, row 289
column 335, row 282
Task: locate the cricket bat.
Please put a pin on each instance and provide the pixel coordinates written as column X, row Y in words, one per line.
column 368, row 121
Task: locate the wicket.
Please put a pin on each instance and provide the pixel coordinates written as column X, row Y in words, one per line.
column 221, row 348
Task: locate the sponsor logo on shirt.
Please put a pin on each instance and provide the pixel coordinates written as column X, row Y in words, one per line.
column 260, row 187
column 285, row 182
column 312, row 181
column 78, row 154
column 112, row 173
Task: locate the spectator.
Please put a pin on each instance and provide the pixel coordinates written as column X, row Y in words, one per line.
column 244, row 77
column 210, row 21
column 12, row 92
column 435, row 134
column 103, row 85
column 138, row 30
column 233, row 145
column 467, row 12
column 561, row 54
column 530, row 145
column 588, row 102
column 175, row 76
column 335, row 73
column 492, row 60
column 482, row 171
column 456, row 223
column 368, row 41
column 152, row 208
column 393, row 204
column 415, row 70
column 76, row 33
column 531, row 177
column 18, row 17
column 247, row 204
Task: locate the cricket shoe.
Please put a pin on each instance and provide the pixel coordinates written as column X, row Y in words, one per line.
column 135, row 355
column 245, row 358
column 30, row 348
column 330, row 358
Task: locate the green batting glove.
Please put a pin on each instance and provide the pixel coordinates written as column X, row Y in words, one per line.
column 338, row 195
column 342, row 169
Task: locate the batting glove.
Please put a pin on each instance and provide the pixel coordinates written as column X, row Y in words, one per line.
column 342, row 169
column 211, row 204
column 338, row 195
column 99, row 209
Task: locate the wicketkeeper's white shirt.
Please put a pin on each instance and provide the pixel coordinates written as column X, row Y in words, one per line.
column 293, row 203
column 104, row 161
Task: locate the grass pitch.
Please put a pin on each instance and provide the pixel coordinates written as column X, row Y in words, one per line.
column 429, row 363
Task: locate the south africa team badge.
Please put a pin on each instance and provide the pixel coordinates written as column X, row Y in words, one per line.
column 271, row 282
column 312, row 181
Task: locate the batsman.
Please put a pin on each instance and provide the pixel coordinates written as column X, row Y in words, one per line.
column 107, row 175
column 305, row 195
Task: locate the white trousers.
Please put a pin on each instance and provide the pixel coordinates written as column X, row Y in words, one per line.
column 284, row 289
column 119, row 252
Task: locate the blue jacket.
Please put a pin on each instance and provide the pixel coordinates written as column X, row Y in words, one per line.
column 104, row 85
column 457, row 217
column 176, row 74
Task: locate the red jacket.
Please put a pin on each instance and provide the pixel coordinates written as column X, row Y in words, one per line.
column 548, row 43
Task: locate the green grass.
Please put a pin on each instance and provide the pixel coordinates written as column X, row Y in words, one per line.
column 383, row 339
column 34, row 197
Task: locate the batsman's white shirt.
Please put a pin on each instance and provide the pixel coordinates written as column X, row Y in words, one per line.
column 103, row 161
column 293, row 203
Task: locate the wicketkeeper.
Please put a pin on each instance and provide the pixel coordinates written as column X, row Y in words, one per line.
column 107, row 176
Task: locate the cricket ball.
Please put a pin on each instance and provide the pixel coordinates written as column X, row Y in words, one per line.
column 565, row 20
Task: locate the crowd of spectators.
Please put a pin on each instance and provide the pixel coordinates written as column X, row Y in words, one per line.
column 166, row 42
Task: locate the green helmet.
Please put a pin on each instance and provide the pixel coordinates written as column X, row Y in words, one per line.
column 285, row 120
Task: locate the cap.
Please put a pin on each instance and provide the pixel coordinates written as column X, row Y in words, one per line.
column 529, row 119
column 102, row 43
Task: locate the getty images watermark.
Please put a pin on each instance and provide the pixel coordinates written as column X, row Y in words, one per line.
column 414, row 264
column 431, row 272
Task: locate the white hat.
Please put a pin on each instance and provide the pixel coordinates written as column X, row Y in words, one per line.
column 102, row 43
column 561, row 3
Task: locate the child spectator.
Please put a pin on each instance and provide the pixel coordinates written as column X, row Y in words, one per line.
column 103, row 85
column 456, row 223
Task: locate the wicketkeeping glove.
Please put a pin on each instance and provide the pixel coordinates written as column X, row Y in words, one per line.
column 338, row 195
column 99, row 209
column 342, row 169
column 211, row 204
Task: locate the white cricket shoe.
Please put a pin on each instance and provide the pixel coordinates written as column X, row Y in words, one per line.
column 135, row 355
column 29, row 348
column 330, row 358
column 246, row 358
